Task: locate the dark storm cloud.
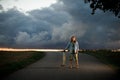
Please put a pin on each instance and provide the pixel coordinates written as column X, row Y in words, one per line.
column 8, row 26
column 102, row 28
column 50, row 16
column 33, row 29
column 1, row 8
column 52, row 27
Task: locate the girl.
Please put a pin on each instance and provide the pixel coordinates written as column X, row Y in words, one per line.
column 73, row 48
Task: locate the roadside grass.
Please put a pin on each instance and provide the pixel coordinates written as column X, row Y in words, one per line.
column 13, row 61
column 108, row 57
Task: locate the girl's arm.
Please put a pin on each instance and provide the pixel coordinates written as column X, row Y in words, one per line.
column 77, row 47
column 68, row 45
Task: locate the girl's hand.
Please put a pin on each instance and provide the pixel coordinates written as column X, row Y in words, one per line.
column 76, row 51
column 64, row 51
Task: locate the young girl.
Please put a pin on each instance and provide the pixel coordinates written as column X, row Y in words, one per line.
column 73, row 48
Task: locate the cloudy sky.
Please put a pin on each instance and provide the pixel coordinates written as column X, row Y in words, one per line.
column 51, row 23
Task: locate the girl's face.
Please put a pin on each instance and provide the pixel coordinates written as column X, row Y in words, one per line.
column 73, row 39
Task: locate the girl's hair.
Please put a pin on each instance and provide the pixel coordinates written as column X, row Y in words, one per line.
column 72, row 39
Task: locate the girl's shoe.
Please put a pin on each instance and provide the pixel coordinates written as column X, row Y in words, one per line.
column 70, row 67
column 77, row 66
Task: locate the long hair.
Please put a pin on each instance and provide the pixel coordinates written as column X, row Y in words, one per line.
column 72, row 39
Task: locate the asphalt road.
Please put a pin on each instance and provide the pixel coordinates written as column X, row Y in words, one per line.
column 49, row 68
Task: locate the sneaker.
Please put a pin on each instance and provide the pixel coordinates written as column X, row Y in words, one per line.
column 62, row 65
column 77, row 66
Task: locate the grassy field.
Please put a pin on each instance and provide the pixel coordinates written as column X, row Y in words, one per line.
column 108, row 57
column 13, row 61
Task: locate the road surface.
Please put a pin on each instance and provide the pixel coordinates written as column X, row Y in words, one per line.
column 49, row 68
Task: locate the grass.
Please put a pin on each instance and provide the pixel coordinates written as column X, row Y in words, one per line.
column 13, row 61
column 108, row 57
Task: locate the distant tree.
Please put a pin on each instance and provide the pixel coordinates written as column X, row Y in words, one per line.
column 105, row 5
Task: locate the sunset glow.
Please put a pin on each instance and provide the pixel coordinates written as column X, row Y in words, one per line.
column 41, row 50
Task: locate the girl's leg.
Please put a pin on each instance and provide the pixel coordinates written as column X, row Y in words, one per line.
column 64, row 60
column 71, row 61
column 77, row 63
